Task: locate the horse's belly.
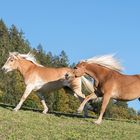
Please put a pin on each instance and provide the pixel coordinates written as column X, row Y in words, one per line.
column 126, row 96
column 51, row 86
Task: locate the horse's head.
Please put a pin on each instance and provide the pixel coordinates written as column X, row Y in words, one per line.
column 11, row 63
column 78, row 71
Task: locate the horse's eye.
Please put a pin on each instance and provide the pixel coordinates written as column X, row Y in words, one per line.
column 75, row 67
column 11, row 60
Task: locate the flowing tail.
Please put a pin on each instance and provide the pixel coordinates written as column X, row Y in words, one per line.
column 88, row 85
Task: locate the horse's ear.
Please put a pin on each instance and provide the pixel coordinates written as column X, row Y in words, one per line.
column 13, row 55
column 10, row 54
column 29, row 53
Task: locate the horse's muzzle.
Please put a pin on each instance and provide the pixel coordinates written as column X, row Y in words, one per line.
column 4, row 69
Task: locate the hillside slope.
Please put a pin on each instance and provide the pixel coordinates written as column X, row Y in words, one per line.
column 28, row 125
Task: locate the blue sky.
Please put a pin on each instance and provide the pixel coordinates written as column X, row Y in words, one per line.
column 82, row 28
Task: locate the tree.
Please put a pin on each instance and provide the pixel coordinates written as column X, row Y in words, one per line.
column 61, row 101
column 122, row 104
column 139, row 113
column 17, row 41
column 12, row 84
column 4, row 42
column 63, row 58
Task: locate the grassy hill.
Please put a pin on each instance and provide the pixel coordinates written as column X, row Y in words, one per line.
column 29, row 125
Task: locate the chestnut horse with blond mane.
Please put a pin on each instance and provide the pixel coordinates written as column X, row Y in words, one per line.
column 43, row 79
column 109, row 81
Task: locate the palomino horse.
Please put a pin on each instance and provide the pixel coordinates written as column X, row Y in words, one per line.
column 109, row 81
column 43, row 79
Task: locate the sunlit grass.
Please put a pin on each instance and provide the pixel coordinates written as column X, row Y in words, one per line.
column 28, row 125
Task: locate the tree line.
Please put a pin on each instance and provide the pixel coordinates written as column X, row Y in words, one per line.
column 12, row 84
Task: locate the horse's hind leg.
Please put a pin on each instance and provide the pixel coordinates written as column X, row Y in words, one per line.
column 43, row 103
column 76, row 91
column 78, row 94
column 85, row 109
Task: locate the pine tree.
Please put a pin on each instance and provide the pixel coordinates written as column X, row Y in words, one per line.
column 61, row 101
column 63, row 59
column 122, row 104
column 17, row 41
column 4, row 42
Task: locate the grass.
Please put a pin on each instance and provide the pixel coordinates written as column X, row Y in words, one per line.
column 29, row 125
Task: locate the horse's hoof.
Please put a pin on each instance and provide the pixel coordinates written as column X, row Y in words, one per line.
column 45, row 111
column 97, row 122
column 15, row 109
column 79, row 110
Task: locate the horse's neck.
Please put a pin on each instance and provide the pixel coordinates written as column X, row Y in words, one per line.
column 25, row 66
column 97, row 72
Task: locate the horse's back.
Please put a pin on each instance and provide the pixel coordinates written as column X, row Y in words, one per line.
column 51, row 74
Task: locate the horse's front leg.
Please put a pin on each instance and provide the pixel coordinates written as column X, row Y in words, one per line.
column 24, row 96
column 105, row 102
column 87, row 98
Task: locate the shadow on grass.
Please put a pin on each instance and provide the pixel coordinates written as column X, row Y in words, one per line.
column 59, row 114
column 11, row 107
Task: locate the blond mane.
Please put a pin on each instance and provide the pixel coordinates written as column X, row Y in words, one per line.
column 29, row 56
column 108, row 61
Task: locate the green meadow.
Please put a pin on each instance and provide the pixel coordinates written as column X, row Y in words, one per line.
column 29, row 125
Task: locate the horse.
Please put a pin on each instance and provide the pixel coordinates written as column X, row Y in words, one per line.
column 110, row 82
column 43, row 79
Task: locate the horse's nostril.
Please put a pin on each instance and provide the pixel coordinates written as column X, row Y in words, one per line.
column 66, row 75
column 3, row 69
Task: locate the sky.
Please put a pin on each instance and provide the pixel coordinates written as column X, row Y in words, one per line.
column 82, row 28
